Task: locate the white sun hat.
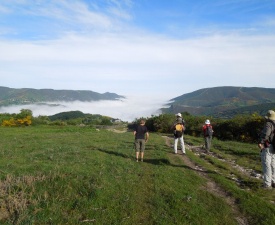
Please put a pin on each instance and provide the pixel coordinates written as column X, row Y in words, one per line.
column 207, row 121
column 178, row 114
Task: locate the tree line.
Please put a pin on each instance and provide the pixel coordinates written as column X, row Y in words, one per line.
column 245, row 128
column 26, row 118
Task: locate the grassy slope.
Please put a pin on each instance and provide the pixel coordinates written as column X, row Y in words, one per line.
column 71, row 175
column 255, row 203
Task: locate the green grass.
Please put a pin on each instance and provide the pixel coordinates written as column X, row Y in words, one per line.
column 254, row 202
column 73, row 175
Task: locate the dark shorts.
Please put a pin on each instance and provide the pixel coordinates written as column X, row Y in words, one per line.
column 140, row 145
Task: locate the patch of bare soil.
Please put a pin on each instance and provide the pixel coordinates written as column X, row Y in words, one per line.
column 118, row 131
column 212, row 186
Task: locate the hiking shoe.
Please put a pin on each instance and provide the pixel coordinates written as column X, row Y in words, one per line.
column 137, row 160
column 141, row 160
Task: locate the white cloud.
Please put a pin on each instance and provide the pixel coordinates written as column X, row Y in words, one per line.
column 126, row 109
column 147, row 50
column 151, row 64
column 70, row 16
column 97, row 51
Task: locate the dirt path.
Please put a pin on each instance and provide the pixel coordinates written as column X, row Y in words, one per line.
column 212, row 187
column 246, row 171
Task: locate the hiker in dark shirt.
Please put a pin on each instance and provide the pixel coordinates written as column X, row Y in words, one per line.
column 141, row 137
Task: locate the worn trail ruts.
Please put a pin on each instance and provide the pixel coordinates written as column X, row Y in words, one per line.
column 212, row 186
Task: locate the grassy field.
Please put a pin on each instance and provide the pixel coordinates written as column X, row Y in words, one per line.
column 78, row 175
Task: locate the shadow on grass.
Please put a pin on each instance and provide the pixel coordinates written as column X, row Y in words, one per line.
column 166, row 162
column 254, row 185
column 113, row 153
column 109, row 152
column 233, row 151
column 160, row 162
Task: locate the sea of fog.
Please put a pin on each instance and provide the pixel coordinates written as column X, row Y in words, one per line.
column 127, row 109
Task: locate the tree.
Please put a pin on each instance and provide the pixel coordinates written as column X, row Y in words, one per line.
column 24, row 113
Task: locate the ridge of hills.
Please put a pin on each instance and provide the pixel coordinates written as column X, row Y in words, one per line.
column 219, row 102
column 23, row 96
column 224, row 102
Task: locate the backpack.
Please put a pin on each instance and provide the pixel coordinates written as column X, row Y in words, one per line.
column 178, row 130
column 178, row 127
column 272, row 136
column 209, row 131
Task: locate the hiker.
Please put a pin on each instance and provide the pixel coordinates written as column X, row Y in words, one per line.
column 267, row 150
column 178, row 128
column 141, row 137
column 207, row 134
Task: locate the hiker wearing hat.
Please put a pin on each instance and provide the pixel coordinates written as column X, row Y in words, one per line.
column 178, row 128
column 267, row 150
column 141, row 137
column 207, row 133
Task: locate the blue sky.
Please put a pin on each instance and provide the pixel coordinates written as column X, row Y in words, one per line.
column 143, row 48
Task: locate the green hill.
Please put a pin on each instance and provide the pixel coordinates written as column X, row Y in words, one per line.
column 223, row 101
column 85, row 117
column 12, row 96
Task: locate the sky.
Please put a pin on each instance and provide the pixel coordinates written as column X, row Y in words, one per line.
column 146, row 50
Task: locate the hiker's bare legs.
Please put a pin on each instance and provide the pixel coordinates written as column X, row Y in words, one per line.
column 137, row 155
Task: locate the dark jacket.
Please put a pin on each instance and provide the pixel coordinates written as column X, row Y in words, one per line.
column 267, row 132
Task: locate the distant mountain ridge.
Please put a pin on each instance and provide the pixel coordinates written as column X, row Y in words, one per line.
column 13, row 96
column 223, row 101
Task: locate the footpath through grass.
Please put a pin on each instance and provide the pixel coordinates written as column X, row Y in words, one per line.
column 254, row 202
column 73, row 175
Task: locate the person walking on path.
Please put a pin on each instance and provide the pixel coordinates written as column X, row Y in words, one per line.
column 207, row 133
column 268, row 151
column 179, row 128
column 141, row 137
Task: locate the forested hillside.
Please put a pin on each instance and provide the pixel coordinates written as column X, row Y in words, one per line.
column 12, row 96
column 224, row 102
